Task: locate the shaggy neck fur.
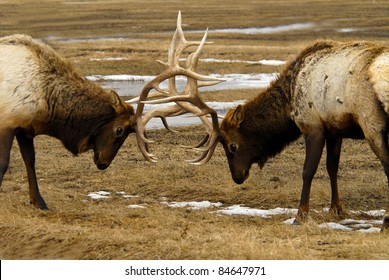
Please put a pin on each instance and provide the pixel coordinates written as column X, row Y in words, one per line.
column 77, row 107
column 77, row 116
column 268, row 118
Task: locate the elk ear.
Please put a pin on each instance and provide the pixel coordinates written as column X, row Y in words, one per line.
column 116, row 102
column 237, row 116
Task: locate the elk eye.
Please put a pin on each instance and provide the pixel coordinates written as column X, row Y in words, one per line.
column 119, row 131
column 233, row 148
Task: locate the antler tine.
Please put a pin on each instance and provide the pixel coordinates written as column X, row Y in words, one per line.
column 154, row 94
column 163, row 113
column 167, row 126
column 178, row 43
column 207, row 154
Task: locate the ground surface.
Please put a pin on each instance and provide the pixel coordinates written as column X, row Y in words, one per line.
column 78, row 227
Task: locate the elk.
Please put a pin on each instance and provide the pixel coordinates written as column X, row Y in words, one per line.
column 41, row 93
column 330, row 91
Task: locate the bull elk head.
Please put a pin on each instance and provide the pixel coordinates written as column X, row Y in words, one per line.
column 187, row 101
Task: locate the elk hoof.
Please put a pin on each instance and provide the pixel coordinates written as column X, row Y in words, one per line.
column 41, row 204
column 385, row 225
column 336, row 211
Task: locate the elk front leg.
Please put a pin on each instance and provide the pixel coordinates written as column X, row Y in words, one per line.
column 6, row 139
column 28, row 153
column 333, row 155
column 314, row 144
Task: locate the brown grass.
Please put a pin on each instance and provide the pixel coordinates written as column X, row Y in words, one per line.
column 77, row 227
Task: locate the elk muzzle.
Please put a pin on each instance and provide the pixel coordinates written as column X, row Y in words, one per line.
column 101, row 162
column 239, row 176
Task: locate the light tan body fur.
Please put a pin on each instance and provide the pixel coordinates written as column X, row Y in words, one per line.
column 19, row 77
column 342, row 87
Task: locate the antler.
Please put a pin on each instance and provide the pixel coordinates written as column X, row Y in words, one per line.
column 187, row 101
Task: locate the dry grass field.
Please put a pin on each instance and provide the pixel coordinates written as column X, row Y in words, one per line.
column 78, row 227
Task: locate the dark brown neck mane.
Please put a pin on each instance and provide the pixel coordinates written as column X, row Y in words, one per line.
column 267, row 118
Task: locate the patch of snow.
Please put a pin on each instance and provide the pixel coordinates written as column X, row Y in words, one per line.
column 241, row 210
column 123, row 77
column 99, row 195
column 289, row 221
column 267, row 30
column 129, row 196
column 336, row 226
column 367, row 226
column 194, row 205
column 135, row 206
column 353, row 221
column 124, row 195
column 373, row 213
column 346, row 30
column 108, row 59
column 370, row 230
column 270, row 62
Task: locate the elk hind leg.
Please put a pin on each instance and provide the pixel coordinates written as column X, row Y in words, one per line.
column 333, row 155
column 6, row 139
column 28, row 153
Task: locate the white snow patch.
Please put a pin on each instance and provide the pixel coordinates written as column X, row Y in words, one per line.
column 353, row 221
column 124, row 195
column 373, row 213
column 99, row 195
column 105, row 194
column 108, row 59
column 123, row 77
column 194, row 205
column 370, row 230
column 349, row 225
column 129, row 196
column 289, row 221
column 268, row 30
column 135, row 206
column 359, row 226
column 337, row 226
column 240, row 81
column 346, row 30
column 367, row 226
column 270, row 62
column 242, row 210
